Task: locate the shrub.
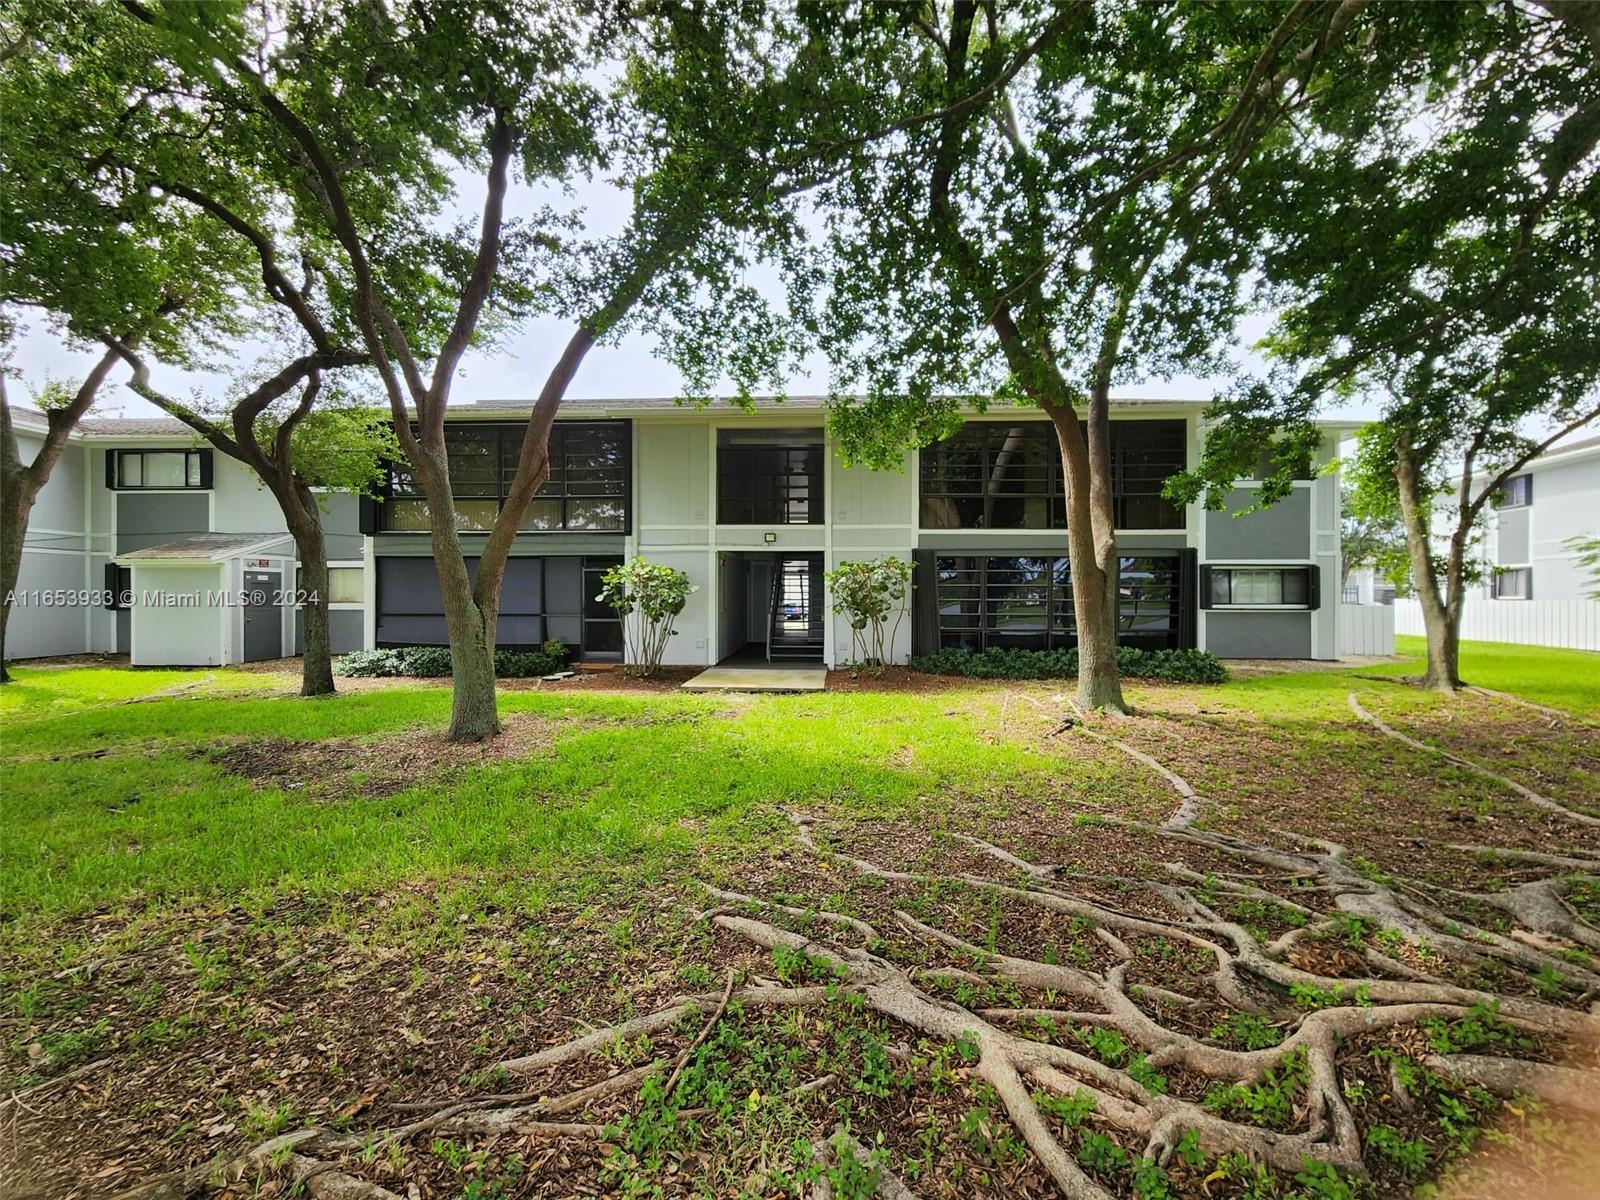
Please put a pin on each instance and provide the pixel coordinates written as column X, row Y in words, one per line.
column 433, row 662
column 868, row 594
column 1179, row 666
column 658, row 593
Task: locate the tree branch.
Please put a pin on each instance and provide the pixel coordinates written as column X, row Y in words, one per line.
column 277, row 284
column 480, row 283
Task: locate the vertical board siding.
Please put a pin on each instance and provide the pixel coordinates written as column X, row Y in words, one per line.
column 1569, row 624
column 1366, row 629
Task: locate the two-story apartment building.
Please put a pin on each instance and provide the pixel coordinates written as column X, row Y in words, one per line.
column 1533, row 520
column 754, row 506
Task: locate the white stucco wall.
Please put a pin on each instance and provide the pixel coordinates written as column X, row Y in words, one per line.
column 240, row 504
column 188, row 634
column 873, row 515
column 1566, row 504
column 55, row 560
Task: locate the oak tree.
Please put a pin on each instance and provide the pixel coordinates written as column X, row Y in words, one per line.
column 1073, row 211
column 707, row 113
column 129, row 187
column 1453, row 277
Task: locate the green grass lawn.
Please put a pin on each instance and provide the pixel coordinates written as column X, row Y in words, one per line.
column 207, row 878
column 37, row 692
column 1568, row 679
column 111, row 804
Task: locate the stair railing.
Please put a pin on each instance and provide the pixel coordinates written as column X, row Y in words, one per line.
column 772, row 604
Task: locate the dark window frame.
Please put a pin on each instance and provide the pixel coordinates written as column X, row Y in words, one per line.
column 118, row 587
column 1516, row 492
column 958, row 470
column 1212, row 574
column 758, row 483
column 1497, row 583
column 410, row 601
column 197, row 464
column 1151, row 584
column 570, row 481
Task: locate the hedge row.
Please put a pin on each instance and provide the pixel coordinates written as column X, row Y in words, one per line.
column 1179, row 666
column 431, row 662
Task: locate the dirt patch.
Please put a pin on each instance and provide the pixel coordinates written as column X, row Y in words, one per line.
column 612, row 678
column 62, row 662
column 384, row 766
column 1298, row 666
column 1559, row 758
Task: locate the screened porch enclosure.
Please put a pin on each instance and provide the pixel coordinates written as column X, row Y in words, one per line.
column 1026, row 601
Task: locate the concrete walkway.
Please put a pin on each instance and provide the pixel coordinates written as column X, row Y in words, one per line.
column 759, row 679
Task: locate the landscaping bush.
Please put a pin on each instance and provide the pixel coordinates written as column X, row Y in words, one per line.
column 433, row 662
column 657, row 593
column 868, row 594
column 1179, row 666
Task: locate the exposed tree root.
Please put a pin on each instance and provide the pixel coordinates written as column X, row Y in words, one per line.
column 1189, row 809
column 278, row 1157
column 1465, row 764
column 829, row 1150
column 1554, row 716
column 1510, row 1076
column 1029, row 1052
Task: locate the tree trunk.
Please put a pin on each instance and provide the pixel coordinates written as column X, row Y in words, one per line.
column 16, row 503
column 473, row 714
column 1441, row 613
column 20, row 485
column 1092, row 556
column 471, row 627
column 305, row 522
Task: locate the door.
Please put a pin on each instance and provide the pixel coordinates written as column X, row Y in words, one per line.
column 263, row 619
column 797, row 608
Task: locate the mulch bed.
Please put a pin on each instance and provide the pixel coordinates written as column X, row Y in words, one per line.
column 384, row 766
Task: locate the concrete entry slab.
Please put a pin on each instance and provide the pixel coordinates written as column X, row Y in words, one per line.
column 759, row 679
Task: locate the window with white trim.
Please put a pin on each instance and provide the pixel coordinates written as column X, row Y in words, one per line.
column 346, row 585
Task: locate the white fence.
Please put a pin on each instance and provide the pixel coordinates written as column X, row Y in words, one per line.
column 1573, row 624
column 1366, row 629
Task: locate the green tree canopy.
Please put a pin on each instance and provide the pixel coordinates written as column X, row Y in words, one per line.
column 1453, row 276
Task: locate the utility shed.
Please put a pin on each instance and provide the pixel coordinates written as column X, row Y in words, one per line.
column 209, row 600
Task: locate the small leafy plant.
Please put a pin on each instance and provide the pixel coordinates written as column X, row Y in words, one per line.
column 1248, row 1029
column 1409, row 1155
column 1269, row 1103
column 657, row 593
column 871, row 596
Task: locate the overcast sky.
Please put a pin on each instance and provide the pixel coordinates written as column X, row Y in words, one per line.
column 516, row 368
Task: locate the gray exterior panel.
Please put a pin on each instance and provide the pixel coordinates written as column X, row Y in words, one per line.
column 1280, row 532
column 345, row 631
column 420, row 545
column 1511, row 537
column 1258, row 634
column 149, row 520
column 341, row 526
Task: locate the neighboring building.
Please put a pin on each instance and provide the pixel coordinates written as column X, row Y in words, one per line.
column 1531, row 524
column 754, row 506
column 1534, row 590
